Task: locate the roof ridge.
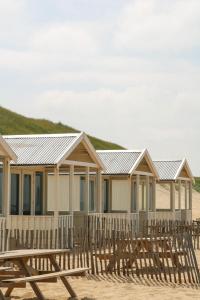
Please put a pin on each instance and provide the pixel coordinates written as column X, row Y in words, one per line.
column 168, row 160
column 40, row 135
column 118, row 150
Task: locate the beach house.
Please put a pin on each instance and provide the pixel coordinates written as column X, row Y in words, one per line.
column 175, row 175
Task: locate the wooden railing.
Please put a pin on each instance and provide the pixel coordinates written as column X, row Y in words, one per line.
column 36, row 232
column 114, row 221
column 168, row 215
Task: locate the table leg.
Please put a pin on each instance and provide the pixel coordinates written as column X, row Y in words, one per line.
column 1, row 295
column 34, row 285
column 9, row 291
column 64, row 280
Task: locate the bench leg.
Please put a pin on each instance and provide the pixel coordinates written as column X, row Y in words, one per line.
column 34, row 285
column 64, row 280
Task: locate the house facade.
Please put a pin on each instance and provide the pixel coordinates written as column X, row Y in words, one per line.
column 45, row 178
column 48, row 181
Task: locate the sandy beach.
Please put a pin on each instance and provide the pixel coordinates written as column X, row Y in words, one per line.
column 89, row 288
column 107, row 287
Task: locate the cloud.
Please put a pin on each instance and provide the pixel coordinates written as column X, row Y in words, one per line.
column 160, row 26
column 132, row 78
column 65, row 38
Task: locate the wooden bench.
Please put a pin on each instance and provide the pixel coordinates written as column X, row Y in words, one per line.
column 40, row 278
column 5, row 268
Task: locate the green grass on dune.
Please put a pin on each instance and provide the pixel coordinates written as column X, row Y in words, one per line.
column 13, row 123
column 196, row 185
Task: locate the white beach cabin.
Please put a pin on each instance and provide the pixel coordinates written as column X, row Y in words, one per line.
column 129, row 183
column 177, row 176
column 47, row 178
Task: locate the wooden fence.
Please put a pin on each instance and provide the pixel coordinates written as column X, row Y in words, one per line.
column 41, row 232
column 167, row 257
column 162, row 250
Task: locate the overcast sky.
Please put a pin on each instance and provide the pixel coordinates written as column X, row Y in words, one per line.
column 126, row 71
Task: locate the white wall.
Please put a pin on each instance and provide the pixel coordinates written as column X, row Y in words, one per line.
column 121, row 195
column 63, row 201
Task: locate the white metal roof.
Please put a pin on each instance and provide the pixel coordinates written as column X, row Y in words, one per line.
column 119, row 161
column 7, row 149
column 170, row 169
column 40, row 149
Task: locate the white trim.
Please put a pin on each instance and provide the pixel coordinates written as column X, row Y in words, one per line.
column 92, row 151
column 183, row 178
column 142, row 173
column 137, row 162
column 79, row 163
column 69, row 149
column 142, row 155
column 179, row 169
column 184, row 163
column 40, row 135
column 82, row 138
column 11, row 154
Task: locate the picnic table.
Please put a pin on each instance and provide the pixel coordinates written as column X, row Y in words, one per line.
column 20, row 258
column 141, row 248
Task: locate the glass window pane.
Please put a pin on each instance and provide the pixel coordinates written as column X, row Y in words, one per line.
column 27, row 195
column 92, row 196
column 38, row 193
column 106, row 195
column 1, row 189
column 133, row 195
column 14, row 194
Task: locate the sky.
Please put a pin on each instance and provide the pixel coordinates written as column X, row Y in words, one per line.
column 127, row 71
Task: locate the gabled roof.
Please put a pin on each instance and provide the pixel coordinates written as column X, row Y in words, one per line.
column 124, row 161
column 171, row 169
column 47, row 149
column 7, row 149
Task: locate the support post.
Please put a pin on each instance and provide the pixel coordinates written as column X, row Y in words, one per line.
column 137, row 193
column 186, row 195
column 172, row 196
column 154, row 195
column 71, row 188
column 99, row 199
column 56, row 205
column 147, row 193
column 179, row 194
column 190, row 195
column 143, row 200
column 129, row 210
column 7, row 179
column 87, row 191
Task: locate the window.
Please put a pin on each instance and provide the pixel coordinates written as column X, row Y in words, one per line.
column 14, row 194
column 1, row 189
column 27, row 195
column 38, row 193
column 106, row 195
column 92, row 196
column 82, row 193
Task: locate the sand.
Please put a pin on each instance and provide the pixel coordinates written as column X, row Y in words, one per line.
column 89, row 288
